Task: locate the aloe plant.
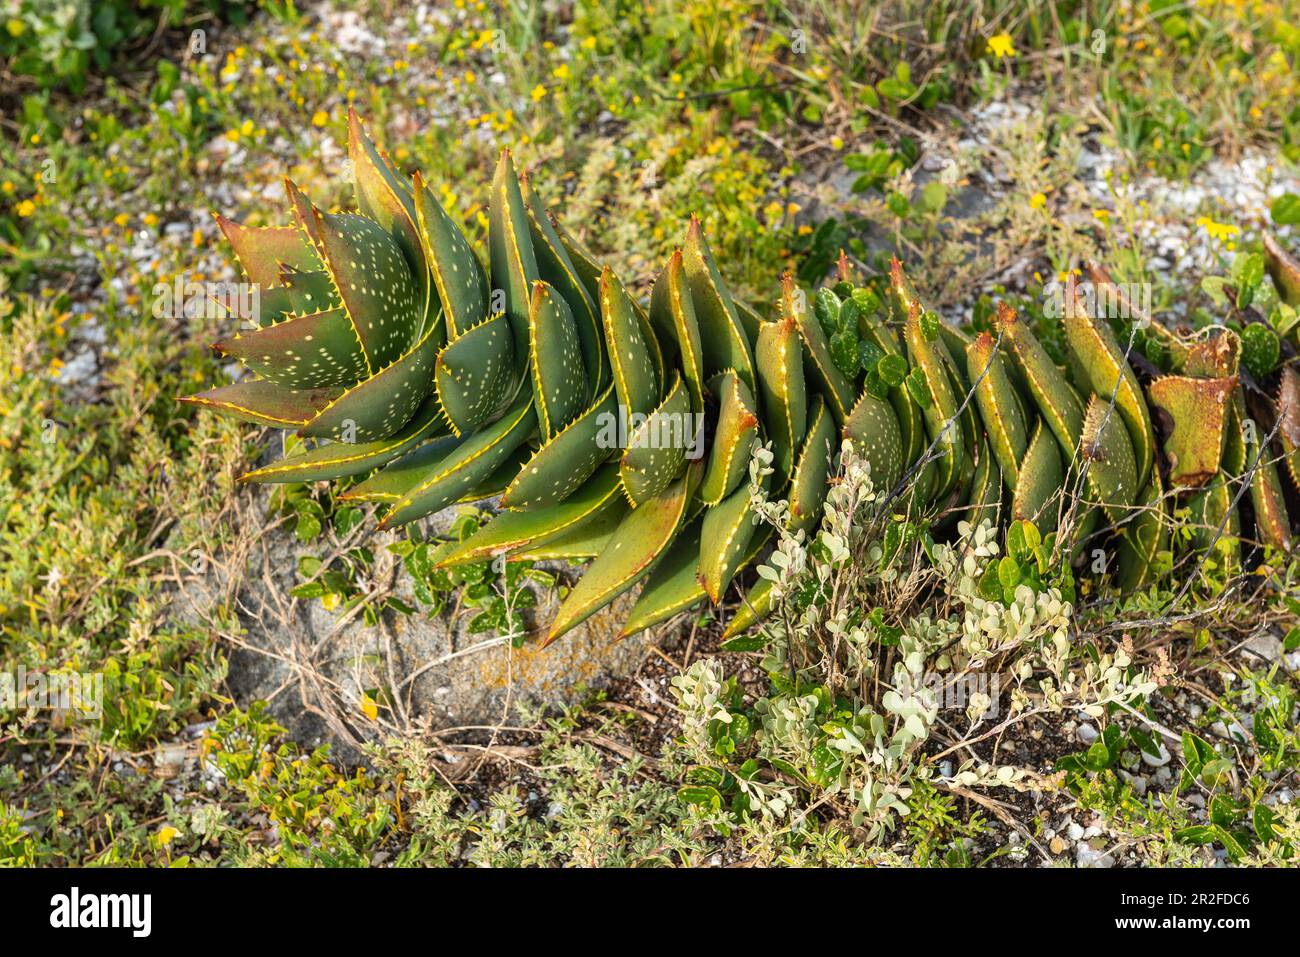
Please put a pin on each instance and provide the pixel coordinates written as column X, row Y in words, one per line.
column 539, row 377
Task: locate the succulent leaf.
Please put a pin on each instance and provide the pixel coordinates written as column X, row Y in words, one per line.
column 1004, row 419
column 265, row 403
column 1146, row 535
column 1059, row 404
column 558, row 270
column 383, row 403
column 560, row 466
column 507, row 532
column 340, row 459
column 1036, row 497
column 1211, row 510
column 473, row 373
column 303, row 292
column 1199, row 410
column 373, row 282
column 1105, row 445
column 1288, row 433
column 726, row 533
column 1214, row 357
column 1272, row 523
column 262, row 251
column 584, row 263
column 657, row 448
column 473, row 461
column 385, row 197
column 513, row 261
column 640, row 540
column 733, row 437
column 457, row 275
column 317, row 349
column 629, row 353
column 1108, row 373
column 672, row 315
column 560, row 383
column 399, row 477
column 753, row 608
column 829, row 380
column 783, row 397
column 873, row 429
column 941, row 408
column 984, row 502
column 583, row 541
column 1283, row 268
column 672, row 587
column 723, row 341
column 500, row 478
column 808, row 486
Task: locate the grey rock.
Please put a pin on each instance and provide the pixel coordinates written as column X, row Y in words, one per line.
column 312, row 665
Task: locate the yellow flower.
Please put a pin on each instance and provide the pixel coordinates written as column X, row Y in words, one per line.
column 561, row 72
column 1037, row 201
column 1102, row 215
column 368, row 707
column 166, row 834
column 36, row 139
column 319, row 118
column 8, row 187
column 1002, row 45
column 15, row 27
column 837, row 143
column 1220, row 231
column 121, row 219
column 26, row 208
column 150, row 219
column 539, row 91
column 246, row 128
column 589, row 43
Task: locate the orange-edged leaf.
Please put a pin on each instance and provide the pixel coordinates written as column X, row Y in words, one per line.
column 733, row 437
column 386, row 197
column 256, row 400
column 261, row 251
